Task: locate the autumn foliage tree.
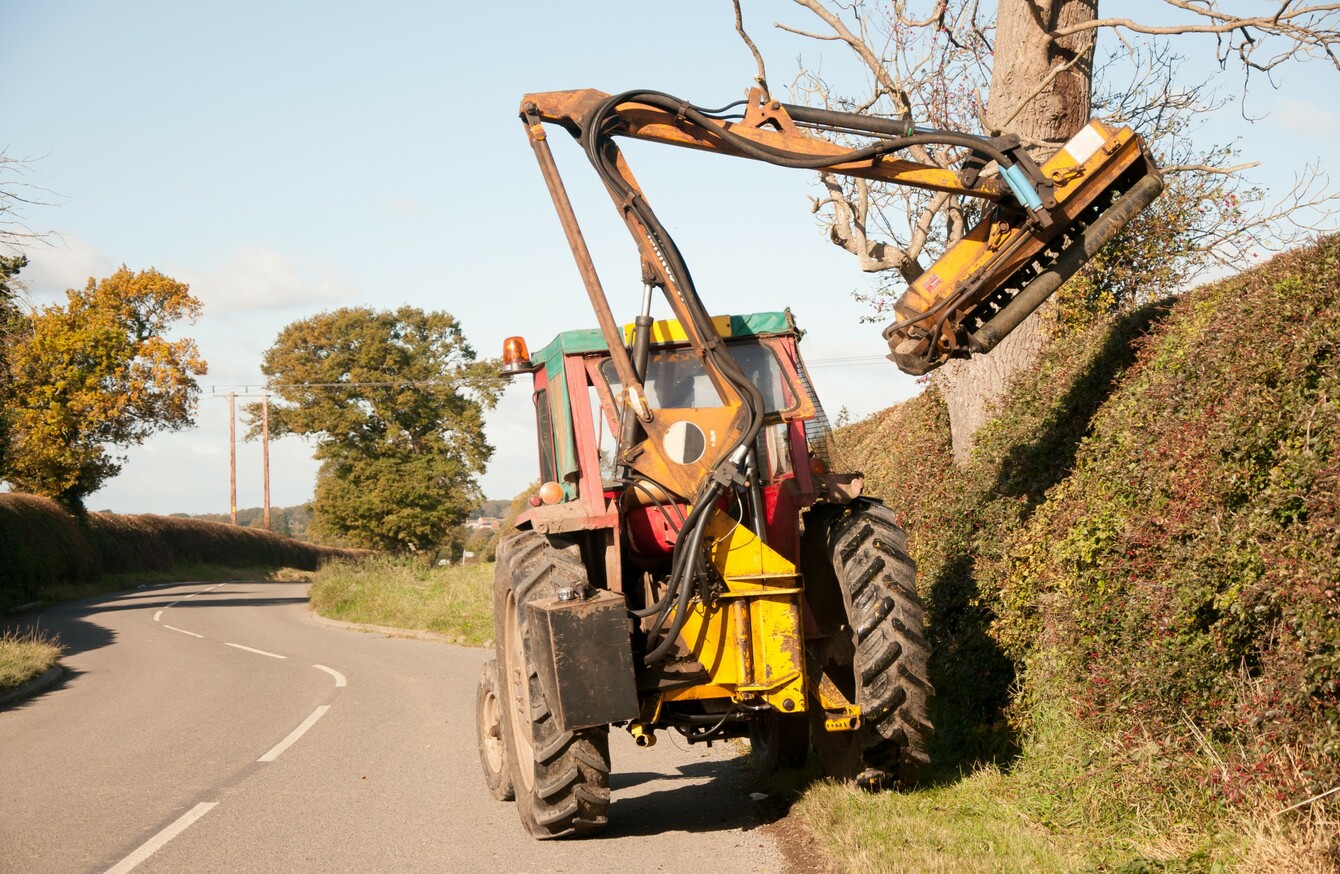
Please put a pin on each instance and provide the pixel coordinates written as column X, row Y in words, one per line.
column 95, row 375
column 11, row 317
column 394, row 400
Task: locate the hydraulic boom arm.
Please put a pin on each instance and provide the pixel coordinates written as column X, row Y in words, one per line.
column 1040, row 225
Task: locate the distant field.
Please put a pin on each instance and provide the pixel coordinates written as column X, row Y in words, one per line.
column 406, row 593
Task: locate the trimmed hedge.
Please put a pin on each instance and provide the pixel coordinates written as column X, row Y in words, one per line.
column 42, row 544
column 1147, row 539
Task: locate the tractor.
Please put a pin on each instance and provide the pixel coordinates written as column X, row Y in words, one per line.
column 692, row 560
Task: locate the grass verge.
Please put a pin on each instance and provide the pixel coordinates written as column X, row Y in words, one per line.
column 1069, row 803
column 406, row 593
column 25, row 655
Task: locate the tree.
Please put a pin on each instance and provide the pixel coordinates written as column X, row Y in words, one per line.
column 1035, row 61
column 395, row 402
column 15, row 194
column 11, row 317
column 95, row 375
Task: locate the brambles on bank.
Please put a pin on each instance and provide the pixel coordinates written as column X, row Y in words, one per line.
column 1143, row 550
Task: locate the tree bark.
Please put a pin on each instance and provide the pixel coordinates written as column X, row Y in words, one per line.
column 1025, row 56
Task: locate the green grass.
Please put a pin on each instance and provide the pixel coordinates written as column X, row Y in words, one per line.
column 405, row 593
column 25, row 655
column 969, row 826
column 1069, row 803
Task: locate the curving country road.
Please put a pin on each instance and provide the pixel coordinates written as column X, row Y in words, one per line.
column 218, row 727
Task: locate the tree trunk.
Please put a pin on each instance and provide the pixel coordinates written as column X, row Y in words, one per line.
column 1024, row 58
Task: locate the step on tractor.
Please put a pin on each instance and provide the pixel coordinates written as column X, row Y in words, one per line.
column 693, row 560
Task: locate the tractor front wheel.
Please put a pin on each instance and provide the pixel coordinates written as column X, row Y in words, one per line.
column 494, row 753
column 561, row 778
column 876, row 650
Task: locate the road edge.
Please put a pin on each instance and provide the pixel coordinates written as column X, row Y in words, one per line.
column 391, row 630
column 41, row 683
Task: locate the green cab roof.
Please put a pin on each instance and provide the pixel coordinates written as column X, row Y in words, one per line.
column 665, row 333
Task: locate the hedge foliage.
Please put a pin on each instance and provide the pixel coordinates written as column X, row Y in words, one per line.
column 42, row 544
column 1148, row 538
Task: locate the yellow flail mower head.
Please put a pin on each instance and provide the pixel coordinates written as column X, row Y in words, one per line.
column 992, row 279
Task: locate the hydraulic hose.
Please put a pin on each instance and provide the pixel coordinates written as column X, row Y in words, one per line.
column 686, row 551
column 596, row 139
column 692, row 553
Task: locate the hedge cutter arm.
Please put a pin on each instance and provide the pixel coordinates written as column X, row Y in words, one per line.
column 1040, row 224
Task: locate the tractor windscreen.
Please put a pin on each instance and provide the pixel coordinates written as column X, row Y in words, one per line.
column 676, row 378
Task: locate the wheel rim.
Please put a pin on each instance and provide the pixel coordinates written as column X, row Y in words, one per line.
column 518, row 696
column 490, row 728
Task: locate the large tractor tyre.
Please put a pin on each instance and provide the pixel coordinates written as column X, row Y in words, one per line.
column 494, row 753
column 561, row 778
column 779, row 740
column 876, row 649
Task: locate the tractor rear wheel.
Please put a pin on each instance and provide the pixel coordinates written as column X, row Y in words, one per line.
column 494, row 754
column 561, row 778
column 876, row 650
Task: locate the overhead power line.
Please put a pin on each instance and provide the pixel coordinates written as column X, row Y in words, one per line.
column 251, row 389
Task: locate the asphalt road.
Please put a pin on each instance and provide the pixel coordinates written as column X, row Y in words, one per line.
column 218, row 727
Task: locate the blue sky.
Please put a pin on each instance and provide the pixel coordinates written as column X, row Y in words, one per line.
column 285, row 158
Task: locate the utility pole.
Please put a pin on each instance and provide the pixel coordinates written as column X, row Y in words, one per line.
column 232, row 457
column 265, row 450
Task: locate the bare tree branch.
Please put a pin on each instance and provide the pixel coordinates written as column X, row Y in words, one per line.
column 1309, row 31
column 1209, row 168
column 762, row 77
column 15, row 194
column 825, row 37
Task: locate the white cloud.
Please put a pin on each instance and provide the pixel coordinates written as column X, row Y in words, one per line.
column 67, row 262
column 259, row 278
column 1302, row 116
column 407, row 207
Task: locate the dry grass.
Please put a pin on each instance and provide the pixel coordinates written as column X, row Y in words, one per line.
column 1304, row 842
column 25, row 655
column 406, row 593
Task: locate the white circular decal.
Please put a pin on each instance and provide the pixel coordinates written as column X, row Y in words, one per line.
column 684, row 442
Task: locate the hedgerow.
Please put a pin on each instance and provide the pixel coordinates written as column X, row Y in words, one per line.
column 41, row 544
column 1180, row 586
column 1145, row 546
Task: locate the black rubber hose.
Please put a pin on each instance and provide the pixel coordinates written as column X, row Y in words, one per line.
column 781, row 157
column 681, row 577
column 593, row 138
column 692, row 551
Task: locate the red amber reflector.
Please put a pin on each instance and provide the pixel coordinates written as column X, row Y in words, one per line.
column 551, row 493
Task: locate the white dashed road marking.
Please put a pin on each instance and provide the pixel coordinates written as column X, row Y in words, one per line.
column 273, row 655
column 155, row 843
column 339, row 678
column 297, row 733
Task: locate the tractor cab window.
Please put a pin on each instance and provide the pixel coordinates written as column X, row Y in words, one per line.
column 676, row 378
